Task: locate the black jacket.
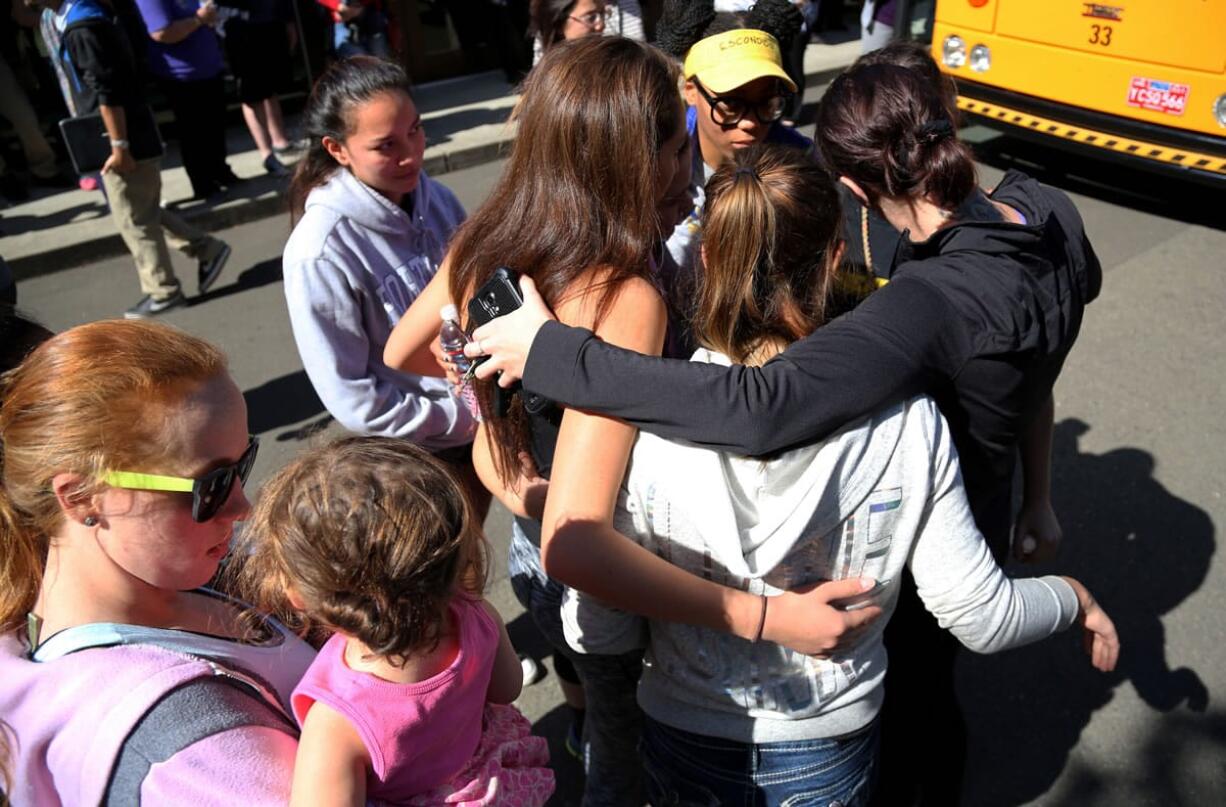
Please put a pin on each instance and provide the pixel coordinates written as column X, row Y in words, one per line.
column 981, row 317
column 101, row 65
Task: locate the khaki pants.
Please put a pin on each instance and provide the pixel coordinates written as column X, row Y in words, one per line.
column 147, row 229
column 16, row 108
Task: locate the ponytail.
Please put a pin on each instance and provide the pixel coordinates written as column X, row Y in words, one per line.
column 889, row 128
column 343, row 87
column 738, row 231
column 770, row 226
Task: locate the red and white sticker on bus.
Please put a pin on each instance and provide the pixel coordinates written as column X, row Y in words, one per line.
column 1158, row 96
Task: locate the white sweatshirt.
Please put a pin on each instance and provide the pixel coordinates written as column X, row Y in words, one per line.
column 353, row 265
column 884, row 492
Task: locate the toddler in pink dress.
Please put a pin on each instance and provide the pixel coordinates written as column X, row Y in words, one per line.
column 409, row 701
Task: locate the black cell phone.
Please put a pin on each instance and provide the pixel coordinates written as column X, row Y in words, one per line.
column 497, row 296
column 861, row 600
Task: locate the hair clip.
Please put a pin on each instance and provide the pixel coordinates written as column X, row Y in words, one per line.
column 934, row 131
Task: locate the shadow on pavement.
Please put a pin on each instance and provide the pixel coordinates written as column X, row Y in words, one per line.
column 566, row 769
column 1142, row 551
column 441, row 129
column 1144, row 191
column 261, row 274
column 23, row 223
column 528, row 641
column 281, row 402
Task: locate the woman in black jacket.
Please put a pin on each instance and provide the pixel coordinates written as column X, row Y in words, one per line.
column 983, row 306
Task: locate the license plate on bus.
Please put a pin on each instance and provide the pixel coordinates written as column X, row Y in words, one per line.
column 1158, row 96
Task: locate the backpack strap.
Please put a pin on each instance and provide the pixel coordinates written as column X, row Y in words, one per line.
column 195, row 710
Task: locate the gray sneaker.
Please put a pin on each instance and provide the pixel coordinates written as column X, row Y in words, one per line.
column 149, row 307
column 211, row 264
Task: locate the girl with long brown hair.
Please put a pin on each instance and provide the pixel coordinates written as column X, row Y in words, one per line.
column 600, row 139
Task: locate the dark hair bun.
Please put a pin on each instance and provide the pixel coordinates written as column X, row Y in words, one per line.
column 888, row 128
column 683, row 23
column 779, row 18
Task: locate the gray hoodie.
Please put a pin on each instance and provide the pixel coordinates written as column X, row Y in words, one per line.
column 882, row 493
column 353, row 265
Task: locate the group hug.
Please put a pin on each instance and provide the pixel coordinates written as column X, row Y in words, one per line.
column 757, row 420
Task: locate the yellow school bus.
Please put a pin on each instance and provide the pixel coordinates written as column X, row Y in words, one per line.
column 1139, row 81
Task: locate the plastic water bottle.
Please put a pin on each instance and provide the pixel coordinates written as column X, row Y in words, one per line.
column 452, row 339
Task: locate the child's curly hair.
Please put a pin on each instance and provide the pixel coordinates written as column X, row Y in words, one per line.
column 369, row 536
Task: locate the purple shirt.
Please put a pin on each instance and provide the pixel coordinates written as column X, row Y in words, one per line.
column 195, row 58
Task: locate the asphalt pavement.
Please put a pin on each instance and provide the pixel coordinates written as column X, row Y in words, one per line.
column 1138, row 480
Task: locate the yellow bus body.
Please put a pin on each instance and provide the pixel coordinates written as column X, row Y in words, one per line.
column 1137, row 80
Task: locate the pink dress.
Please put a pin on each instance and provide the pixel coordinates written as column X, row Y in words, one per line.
column 436, row 741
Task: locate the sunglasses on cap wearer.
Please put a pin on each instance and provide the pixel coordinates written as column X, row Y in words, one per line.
column 209, row 492
column 728, row 110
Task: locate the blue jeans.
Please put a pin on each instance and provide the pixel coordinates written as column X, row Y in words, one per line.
column 613, row 722
column 682, row 768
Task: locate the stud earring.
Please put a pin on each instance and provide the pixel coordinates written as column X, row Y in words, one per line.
column 91, row 521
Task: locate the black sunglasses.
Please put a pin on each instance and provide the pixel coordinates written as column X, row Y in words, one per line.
column 209, row 492
column 728, row 110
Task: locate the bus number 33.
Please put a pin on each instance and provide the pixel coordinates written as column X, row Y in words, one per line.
column 1100, row 35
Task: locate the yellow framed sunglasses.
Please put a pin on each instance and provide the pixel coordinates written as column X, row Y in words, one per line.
column 209, row 492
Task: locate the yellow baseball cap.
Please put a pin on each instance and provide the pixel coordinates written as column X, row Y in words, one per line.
column 726, row 61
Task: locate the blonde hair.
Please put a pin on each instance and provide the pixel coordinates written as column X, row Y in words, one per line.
column 770, row 226
column 373, row 536
column 93, row 398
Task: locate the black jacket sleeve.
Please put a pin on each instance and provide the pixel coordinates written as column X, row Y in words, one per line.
column 899, row 342
column 103, row 62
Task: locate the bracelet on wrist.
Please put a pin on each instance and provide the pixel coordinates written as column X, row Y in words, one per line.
column 757, row 637
column 120, row 144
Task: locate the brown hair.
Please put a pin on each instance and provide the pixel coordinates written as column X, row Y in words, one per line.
column 770, row 226
column 93, row 398
column 576, row 196
column 343, row 87
column 373, row 534
column 914, row 56
column 889, row 129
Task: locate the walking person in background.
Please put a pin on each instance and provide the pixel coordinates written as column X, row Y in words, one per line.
column 185, row 56
column 258, row 40
column 96, row 54
column 40, row 157
column 877, row 24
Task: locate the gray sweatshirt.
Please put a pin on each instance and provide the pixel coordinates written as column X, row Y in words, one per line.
column 882, row 493
column 353, row 265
